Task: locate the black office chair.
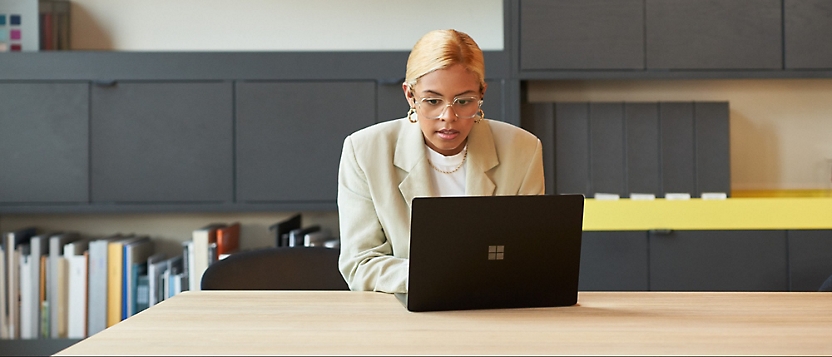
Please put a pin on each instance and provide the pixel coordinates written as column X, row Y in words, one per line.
column 827, row 285
column 282, row 268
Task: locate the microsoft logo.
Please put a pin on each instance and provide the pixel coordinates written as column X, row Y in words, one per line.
column 495, row 252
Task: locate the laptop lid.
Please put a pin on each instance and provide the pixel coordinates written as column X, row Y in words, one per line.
column 488, row 252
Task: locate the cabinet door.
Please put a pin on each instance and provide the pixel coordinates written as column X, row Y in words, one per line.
column 641, row 121
column 718, row 261
column 587, row 34
column 676, row 130
column 808, row 28
column 44, row 142
column 391, row 103
column 606, row 143
column 713, row 162
column 614, row 261
column 572, row 148
column 714, row 34
column 810, row 259
column 165, row 142
column 290, row 136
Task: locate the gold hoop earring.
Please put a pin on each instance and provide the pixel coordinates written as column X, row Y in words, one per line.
column 410, row 115
column 481, row 114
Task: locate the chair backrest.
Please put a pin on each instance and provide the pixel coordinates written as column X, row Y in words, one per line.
column 827, row 285
column 282, row 268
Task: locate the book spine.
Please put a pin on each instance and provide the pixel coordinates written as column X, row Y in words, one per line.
column 77, row 313
column 97, row 288
column 62, row 298
column 26, row 298
column 44, row 301
column 114, row 271
column 4, row 324
column 126, row 278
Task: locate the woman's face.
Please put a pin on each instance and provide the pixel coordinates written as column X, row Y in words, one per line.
column 448, row 134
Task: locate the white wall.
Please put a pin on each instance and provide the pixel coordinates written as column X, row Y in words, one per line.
column 277, row 25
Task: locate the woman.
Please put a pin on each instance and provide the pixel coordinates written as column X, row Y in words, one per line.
column 444, row 147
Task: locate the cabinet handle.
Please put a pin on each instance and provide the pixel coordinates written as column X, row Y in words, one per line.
column 390, row 81
column 105, row 83
column 661, row 232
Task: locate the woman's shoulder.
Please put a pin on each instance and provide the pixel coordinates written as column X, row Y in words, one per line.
column 377, row 136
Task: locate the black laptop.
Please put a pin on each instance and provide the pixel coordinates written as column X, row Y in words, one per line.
column 492, row 252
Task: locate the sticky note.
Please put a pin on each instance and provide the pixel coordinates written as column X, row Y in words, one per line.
column 15, row 20
column 606, row 196
column 677, row 196
column 15, row 34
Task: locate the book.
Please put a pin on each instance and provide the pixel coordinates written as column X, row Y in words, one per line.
column 135, row 264
column 187, row 258
column 53, row 283
column 76, row 313
column 44, row 302
column 115, row 271
column 27, row 300
column 174, row 268
column 12, row 242
column 142, row 293
column 4, row 318
column 199, row 255
column 228, row 239
column 72, row 294
column 156, row 266
column 61, row 305
column 281, row 229
column 38, row 247
column 97, row 286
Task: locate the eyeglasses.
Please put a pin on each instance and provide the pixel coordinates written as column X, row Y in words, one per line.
column 464, row 107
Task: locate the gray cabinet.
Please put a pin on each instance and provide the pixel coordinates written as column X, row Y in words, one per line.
column 580, row 35
column 289, row 137
column 718, row 261
column 677, row 154
column 162, row 142
column 624, row 148
column 641, row 122
column 810, row 259
column 714, row 34
column 808, row 29
column 614, row 261
column 606, row 140
column 44, row 143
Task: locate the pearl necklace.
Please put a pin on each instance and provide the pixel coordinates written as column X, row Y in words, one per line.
column 464, row 156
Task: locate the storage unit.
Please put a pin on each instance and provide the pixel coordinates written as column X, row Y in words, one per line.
column 44, row 142
column 155, row 142
column 625, row 148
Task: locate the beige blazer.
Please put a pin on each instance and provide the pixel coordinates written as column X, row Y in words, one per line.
column 384, row 166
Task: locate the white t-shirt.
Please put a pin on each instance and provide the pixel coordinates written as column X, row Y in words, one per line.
column 452, row 184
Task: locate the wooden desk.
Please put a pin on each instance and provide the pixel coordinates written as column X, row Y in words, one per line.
column 294, row 322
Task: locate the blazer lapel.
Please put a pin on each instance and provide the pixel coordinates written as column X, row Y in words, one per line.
column 410, row 156
column 482, row 157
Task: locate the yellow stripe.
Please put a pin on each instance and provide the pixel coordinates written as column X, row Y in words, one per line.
column 781, row 193
column 698, row 214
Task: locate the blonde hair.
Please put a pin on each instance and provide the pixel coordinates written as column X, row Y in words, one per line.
column 440, row 49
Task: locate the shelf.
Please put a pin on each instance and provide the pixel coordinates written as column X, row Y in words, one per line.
column 698, row 214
